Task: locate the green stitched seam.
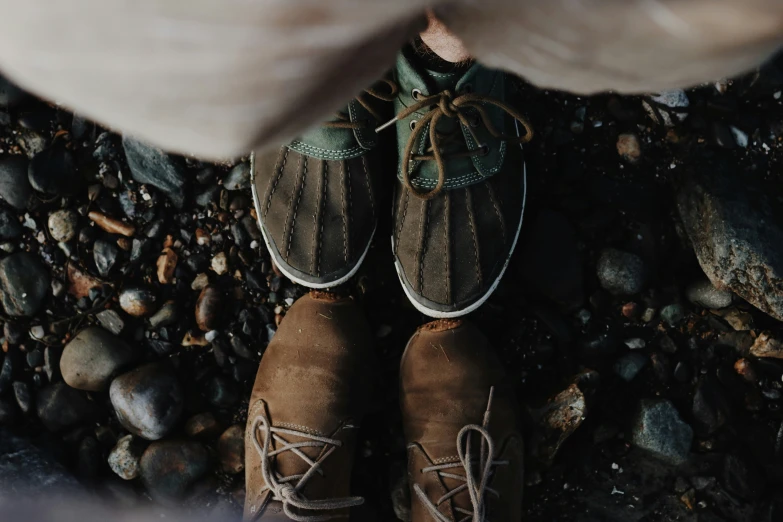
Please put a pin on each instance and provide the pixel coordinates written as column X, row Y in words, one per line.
column 320, row 153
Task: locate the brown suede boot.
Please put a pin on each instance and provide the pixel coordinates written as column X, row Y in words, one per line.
column 465, row 451
column 310, row 394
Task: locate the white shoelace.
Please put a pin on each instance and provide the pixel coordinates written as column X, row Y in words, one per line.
column 288, row 490
column 477, row 487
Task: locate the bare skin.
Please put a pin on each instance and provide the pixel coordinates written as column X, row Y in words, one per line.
column 443, row 42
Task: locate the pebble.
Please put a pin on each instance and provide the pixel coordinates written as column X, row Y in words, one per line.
column 621, row 273
column 629, row 148
column 15, row 187
column 24, row 284
column 676, row 100
column 170, row 468
column 200, row 282
column 220, row 263
column 105, row 256
column 649, row 315
column 767, row 346
column 202, row 426
column 111, row 225
column 148, row 401
column 629, row 366
column 93, row 357
column 667, row 344
column 59, row 406
column 682, row 372
column 53, row 172
column 154, row 167
column 557, row 421
column 125, row 458
column 111, row 321
column 241, row 349
column 208, row 308
column 711, row 409
column 138, row 302
column 221, row 392
column 9, row 225
column 238, row 178
column 167, row 315
column 635, row 343
column 63, row 224
column 7, row 371
column 673, row 314
column 703, row 293
column 231, row 449
column 24, row 398
column 167, row 262
column 207, row 196
column 658, row 429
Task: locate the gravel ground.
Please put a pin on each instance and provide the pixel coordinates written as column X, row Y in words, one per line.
column 138, row 299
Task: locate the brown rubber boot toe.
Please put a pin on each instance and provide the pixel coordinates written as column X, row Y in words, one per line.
column 465, row 450
column 310, row 394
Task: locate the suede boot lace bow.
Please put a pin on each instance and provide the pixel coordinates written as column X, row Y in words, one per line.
column 477, row 487
column 469, row 110
column 288, row 490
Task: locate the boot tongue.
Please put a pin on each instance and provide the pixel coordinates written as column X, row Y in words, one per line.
column 413, row 76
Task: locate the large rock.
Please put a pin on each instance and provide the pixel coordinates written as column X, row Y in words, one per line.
column 148, row 401
column 704, row 293
column 125, row 457
column 155, row 167
column 169, row 468
column 737, row 234
column 24, row 284
column 15, row 188
column 658, row 429
column 621, row 273
column 59, row 406
column 92, row 358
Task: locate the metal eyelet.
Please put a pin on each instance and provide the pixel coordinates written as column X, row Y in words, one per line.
column 415, row 93
column 412, row 124
column 484, row 149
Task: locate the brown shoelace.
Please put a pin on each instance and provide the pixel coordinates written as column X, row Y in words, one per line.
column 343, row 120
column 477, row 487
column 445, row 104
column 288, row 490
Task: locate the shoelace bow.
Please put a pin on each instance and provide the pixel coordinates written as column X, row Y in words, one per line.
column 288, row 490
column 445, row 104
column 344, row 120
column 477, row 487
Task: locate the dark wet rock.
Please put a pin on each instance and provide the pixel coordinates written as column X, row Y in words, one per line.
column 207, row 196
column 629, row 365
column 743, row 477
column 241, row 349
column 9, row 225
column 556, row 421
column 26, row 469
column 138, row 302
column 736, row 233
column 711, row 409
column 621, row 273
column 92, row 358
column 169, row 468
column 14, row 332
column 52, row 362
column 231, row 449
column 162, row 348
column 154, row 167
column 24, row 399
column 111, row 321
column 24, row 284
column 203, row 426
column 125, row 458
column 59, row 406
column 553, row 267
column 148, row 401
column 673, row 314
column 659, row 429
column 53, row 172
column 209, row 308
column 238, row 178
column 15, row 188
column 221, row 392
column 703, row 293
column 7, row 372
column 62, row 224
column 35, row 358
column 167, row 315
column 105, row 256
column 89, row 459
